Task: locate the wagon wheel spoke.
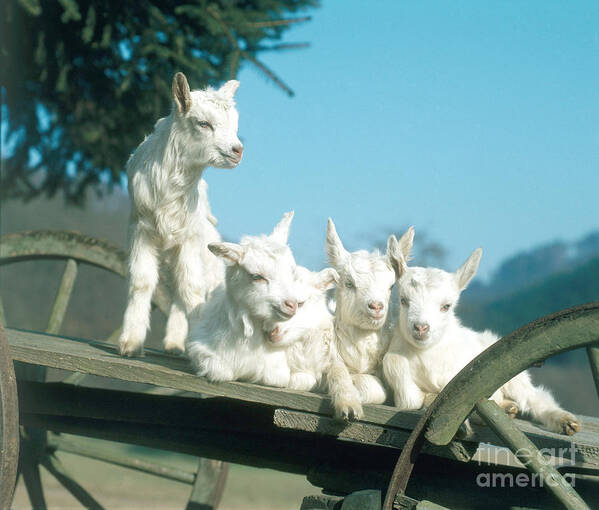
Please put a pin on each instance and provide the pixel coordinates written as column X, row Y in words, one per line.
column 62, row 298
column 208, row 487
column 33, row 484
column 593, row 354
column 55, row 467
column 527, row 453
column 2, row 314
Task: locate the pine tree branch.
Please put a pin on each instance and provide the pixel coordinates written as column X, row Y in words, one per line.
column 270, row 74
column 278, row 22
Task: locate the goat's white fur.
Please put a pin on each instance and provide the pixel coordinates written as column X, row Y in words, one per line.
column 228, row 337
column 171, row 223
column 429, row 347
column 308, row 335
column 361, row 322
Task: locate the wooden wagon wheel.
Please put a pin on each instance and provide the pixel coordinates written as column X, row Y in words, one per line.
column 469, row 390
column 9, row 424
column 209, row 480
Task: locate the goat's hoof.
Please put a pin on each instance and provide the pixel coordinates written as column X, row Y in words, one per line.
column 175, row 350
column 569, row 424
column 510, row 408
column 349, row 412
column 130, row 348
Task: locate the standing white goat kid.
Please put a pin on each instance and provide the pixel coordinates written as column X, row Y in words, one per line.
column 228, row 334
column 308, row 335
column 361, row 327
column 429, row 347
column 171, row 223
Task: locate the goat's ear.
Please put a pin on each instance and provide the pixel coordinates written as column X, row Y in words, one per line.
column 229, row 88
column 181, row 93
column 326, row 279
column 468, row 269
column 335, row 250
column 280, row 233
column 399, row 251
column 231, row 253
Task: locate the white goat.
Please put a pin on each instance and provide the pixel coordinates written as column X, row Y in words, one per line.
column 308, row 335
column 429, row 347
column 171, row 223
column 228, row 334
column 361, row 325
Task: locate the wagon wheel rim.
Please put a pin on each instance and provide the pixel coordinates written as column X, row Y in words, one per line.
column 533, row 342
column 76, row 249
column 9, row 424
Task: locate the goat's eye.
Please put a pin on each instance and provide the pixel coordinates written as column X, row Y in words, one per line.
column 349, row 284
column 446, row 307
column 300, row 304
column 205, row 125
column 258, row 278
column 404, row 301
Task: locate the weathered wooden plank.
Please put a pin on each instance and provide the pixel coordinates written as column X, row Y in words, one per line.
column 9, row 424
column 550, row 335
column 368, row 499
column 61, row 302
column 168, row 371
column 527, row 453
column 321, row 502
column 85, row 448
column 367, row 433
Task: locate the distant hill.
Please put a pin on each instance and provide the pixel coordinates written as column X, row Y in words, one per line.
column 553, row 293
column 529, row 267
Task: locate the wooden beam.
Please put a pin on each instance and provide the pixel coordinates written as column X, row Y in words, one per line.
column 366, row 433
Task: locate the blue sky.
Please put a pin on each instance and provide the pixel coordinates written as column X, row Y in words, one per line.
column 476, row 121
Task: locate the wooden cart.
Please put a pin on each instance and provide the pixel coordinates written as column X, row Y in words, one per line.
column 396, row 459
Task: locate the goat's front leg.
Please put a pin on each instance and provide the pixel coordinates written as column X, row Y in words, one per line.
column 143, row 278
column 276, row 370
column 370, row 388
column 396, row 370
column 187, row 273
column 302, row 381
column 345, row 396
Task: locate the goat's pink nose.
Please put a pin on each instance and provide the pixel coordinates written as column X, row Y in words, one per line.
column 377, row 306
column 422, row 328
column 237, row 149
column 289, row 306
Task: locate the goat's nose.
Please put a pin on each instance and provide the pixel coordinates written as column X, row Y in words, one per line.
column 289, row 306
column 237, row 149
column 422, row 328
column 376, row 306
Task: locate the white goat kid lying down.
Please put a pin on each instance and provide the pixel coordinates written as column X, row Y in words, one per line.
column 308, row 335
column 361, row 326
column 429, row 347
column 171, row 223
column 228, row 334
